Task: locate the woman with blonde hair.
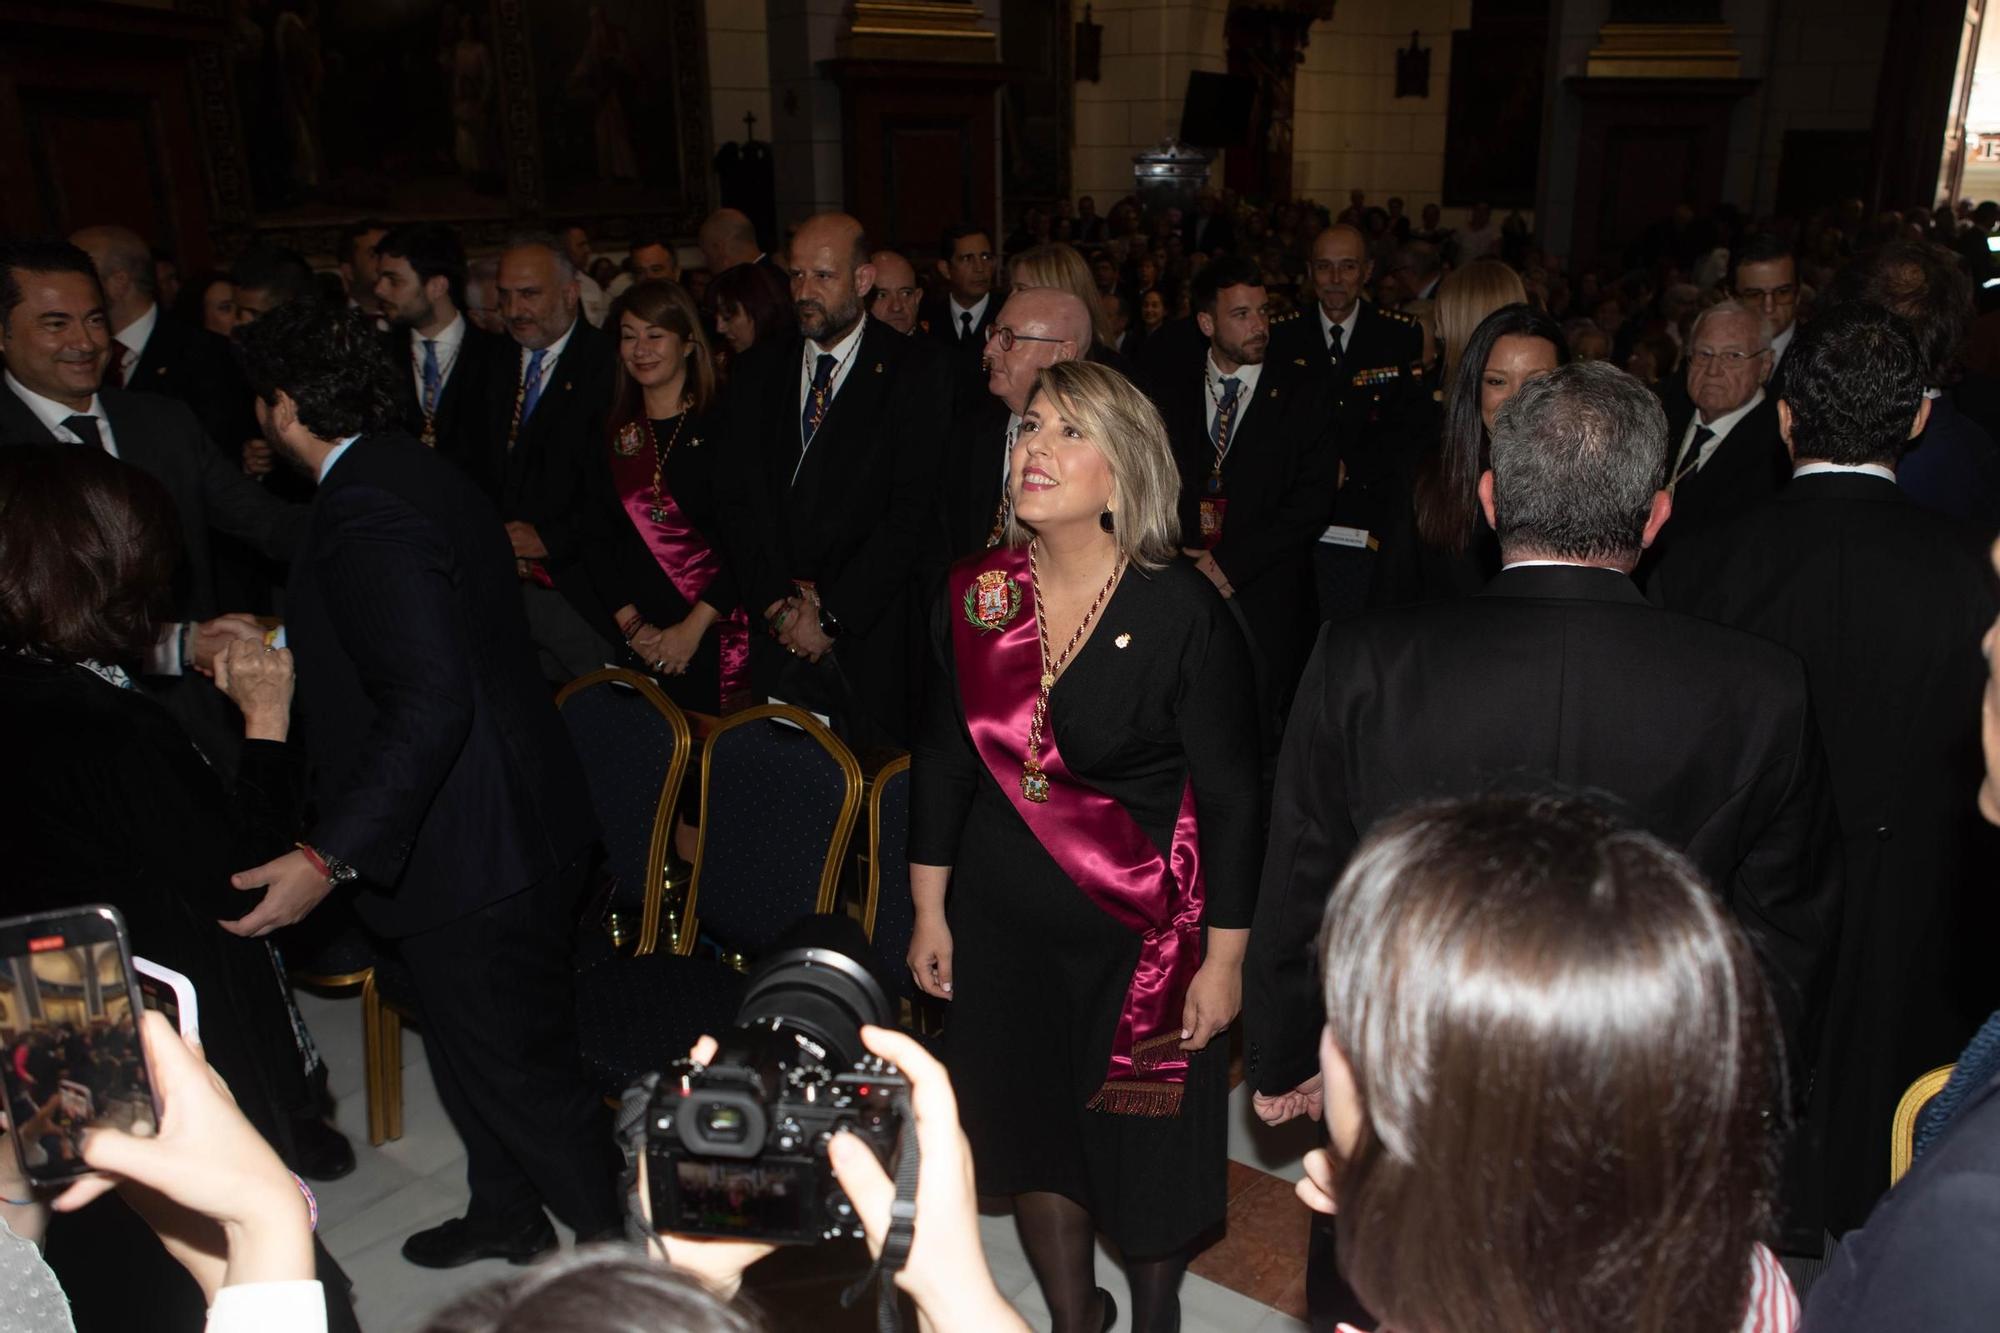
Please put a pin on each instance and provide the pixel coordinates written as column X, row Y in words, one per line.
column 653, row 555
column 1060, row 266
column 1465, row 297
column 1085, row 788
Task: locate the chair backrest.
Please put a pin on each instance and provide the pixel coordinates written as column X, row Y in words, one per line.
column 634, row 745
column 779, row 797
column 1903, row 1130
column 887, row 911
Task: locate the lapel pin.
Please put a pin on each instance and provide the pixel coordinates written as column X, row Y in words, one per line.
column 878, row 367
column 565, row 386
column 1123, row 640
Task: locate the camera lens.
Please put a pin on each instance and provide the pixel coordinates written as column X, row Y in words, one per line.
column 820, row 983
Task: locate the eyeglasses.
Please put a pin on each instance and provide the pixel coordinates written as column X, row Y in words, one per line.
column 1006, row 337
column 1769, row 295
column 1708, row 356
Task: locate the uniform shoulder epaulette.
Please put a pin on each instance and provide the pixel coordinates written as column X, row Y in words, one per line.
column 1399, row 316
column 1287, row 317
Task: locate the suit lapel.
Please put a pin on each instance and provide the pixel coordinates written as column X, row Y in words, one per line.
column 18, row 423
column 866, row 383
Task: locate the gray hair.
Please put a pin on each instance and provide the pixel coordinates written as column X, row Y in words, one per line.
column 1577, row 457
column 1733, row 307
column 546, row 240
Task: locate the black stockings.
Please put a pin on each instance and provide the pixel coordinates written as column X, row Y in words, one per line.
column 1061, row 1244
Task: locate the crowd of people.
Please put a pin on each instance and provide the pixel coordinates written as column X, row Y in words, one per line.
column 1536, row 709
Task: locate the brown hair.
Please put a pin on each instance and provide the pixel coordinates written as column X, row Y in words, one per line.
column 87, row 553
column 665, row 305
column 1568, row 1071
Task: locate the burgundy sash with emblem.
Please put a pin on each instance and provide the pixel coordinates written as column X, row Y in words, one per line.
column 1096, row 842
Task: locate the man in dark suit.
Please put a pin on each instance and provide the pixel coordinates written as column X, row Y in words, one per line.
column 544, row 413
column 1764, row 275
column 1259, row 470
column 153, row 352
column 1037, row 327
column 1373, row 360
column 957, row 317
column 1559, row 675
column 1723, row 451
column 836, row 435
column 449, row 802
column 420, row 284
column 727, row 238
column 1883, row 600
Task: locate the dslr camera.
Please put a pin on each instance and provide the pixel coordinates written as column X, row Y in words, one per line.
column 738, row 1148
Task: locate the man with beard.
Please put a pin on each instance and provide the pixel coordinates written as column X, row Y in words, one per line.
column 835, row 437
column 420, row 283
column 1259, row 470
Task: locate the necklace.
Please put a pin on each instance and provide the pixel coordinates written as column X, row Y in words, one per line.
column 658, row 511
column 1034, row 782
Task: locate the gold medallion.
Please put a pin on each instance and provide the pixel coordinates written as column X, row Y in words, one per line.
column 1034, row 783
column 630, row 439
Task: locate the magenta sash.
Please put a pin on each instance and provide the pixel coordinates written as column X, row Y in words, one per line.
column 689, row 563
column 1093, row 838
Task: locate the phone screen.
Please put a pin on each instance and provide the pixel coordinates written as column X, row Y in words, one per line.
column 70, row 1035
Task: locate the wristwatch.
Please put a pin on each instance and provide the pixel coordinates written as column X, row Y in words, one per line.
column 338, row 872
column 829, row 624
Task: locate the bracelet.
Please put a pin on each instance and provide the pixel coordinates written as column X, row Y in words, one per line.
column 20, row 1203
column 633, row 632
column 318, row 861
column 312, row 1204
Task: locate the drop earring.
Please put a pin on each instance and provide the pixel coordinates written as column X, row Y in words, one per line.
column 1104, row 521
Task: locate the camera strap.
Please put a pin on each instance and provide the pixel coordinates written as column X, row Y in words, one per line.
column 896, row 1243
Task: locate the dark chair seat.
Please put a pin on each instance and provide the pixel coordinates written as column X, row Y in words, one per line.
column 638, row 1015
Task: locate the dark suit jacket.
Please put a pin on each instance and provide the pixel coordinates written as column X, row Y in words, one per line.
column 541, row 480
column 851, row 513
column 443, row 773
column 1210, row 235
column 1746, row 468
column 1553, row 677
column 1884, row 601
column 1280, row 479
column 1954, row 468
column 965, row 356
column 460, row 419
column 161, row 438
column 969, row 493
column 1925, row 1259
column 197, row 367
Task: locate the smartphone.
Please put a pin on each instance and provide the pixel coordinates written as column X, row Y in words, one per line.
column 172, row 994
column 70, row 1054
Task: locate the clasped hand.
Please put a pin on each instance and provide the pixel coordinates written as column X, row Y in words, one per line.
column 794, row 623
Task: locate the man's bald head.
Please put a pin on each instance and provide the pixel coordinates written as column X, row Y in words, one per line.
column 831, row 275
column 1047, row 325
column 124, row 264
column 727, row 238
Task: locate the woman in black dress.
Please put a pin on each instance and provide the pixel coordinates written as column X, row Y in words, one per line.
column 650, row 554
column 1086, row 785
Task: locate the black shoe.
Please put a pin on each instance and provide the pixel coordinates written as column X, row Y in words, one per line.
column 450, row 1244
column 1110, row 1310
column 319, row 1151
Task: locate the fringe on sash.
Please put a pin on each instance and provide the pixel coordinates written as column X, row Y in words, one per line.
column 1139, row 1097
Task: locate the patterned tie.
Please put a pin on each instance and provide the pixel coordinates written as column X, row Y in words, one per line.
column 1691, row 456
column 1334, row 351
column 85, row 429
column 964, row 325
column 434, row 379
column 1225, row 417
column 531, row 383
column 817, row 402
column 114, row 367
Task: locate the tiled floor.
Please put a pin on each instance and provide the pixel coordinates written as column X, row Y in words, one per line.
column 419, row 1179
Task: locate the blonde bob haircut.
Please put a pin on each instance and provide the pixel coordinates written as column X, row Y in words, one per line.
column 1466, row 297
column 1127, row 430
column 1061, row 267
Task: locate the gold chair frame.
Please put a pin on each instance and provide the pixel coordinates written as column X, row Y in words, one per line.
column 381, row 1050
column 872, row 892
column 843, row 828
column 1903, row 1130
column 670, row 790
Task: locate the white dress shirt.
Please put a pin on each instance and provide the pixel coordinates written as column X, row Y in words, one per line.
column 977, row 311
column 1007, row 455
column 52, row 414
column 1865, row 469
column 1346, row 329
column 1212, row 378
column 551, row 354
column 134, row 337
column 450, row 341
column 333, row 456
column 1722, row 425
column 1780, row 345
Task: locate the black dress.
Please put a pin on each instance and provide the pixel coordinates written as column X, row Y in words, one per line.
column 623, row 568
column 1039, row 971
column 103, row 798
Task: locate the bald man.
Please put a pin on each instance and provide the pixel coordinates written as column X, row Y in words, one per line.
column 1373, row 361
column 835, row 433
column 153, row 352
column 728, row 238
column 897, row 295
column 1037, row 327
